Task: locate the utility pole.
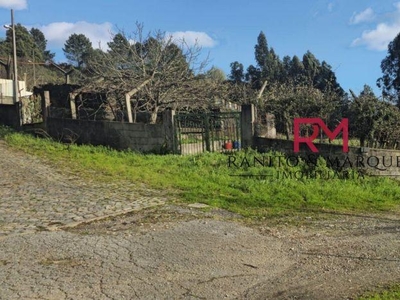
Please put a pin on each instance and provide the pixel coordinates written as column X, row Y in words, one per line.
column 16, row 91
column 34, row 68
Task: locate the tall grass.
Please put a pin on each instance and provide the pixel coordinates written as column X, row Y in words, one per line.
column 210, row 179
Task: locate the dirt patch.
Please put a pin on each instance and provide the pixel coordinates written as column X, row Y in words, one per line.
column 153, row 218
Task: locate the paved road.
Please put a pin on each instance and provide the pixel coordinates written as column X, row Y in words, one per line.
column 34, row 196
column 193, row 260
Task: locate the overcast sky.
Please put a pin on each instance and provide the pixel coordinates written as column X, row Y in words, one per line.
column 351, row 35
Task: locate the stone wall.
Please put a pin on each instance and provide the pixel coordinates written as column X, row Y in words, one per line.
column 379, row 162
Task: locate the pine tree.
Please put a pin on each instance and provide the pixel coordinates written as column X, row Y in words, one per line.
column 390, row 65
column 76, row 48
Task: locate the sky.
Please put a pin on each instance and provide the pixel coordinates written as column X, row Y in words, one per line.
column 350, row 35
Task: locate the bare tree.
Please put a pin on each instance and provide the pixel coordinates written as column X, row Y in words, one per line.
column 152, row 72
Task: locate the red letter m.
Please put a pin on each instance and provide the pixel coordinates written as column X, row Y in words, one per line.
column 317, row 123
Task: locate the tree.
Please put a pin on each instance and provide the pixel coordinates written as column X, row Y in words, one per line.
column 294, row 86
column 320, row 75
column 237, row 72
column 286, row 64
column 119, row 46
column 390, row 65
column 155, row 72
column 275, row 67
column 77, row 49
column 290, row 100
column 216, row 74
column 253, row 76
column 30, row 44
column 387, row 133
column 364, row 115
column 261, row 51
column 326, row 79
column 311, row 66
column 239, row 90
column 41, row 44
column 31, row 52
column 24, row 42
column 269, row 67
column 296, row 70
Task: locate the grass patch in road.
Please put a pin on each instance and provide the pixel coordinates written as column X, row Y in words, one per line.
column 391, row 293
column 207, row 178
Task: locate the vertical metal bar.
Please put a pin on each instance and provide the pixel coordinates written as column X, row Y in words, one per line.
column 212, row 129
column 237, row 124
column 179, row 129
column 207, row 131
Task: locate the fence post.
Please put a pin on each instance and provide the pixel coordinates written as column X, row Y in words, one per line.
column 247, row 120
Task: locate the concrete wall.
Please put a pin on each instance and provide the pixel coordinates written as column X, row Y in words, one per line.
column 379, row 162
column 9, row 115
column 134, row 136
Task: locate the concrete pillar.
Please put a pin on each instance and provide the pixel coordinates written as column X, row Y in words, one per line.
column 271, row 129
column 128, row 107
column 169, row 129
column 247, row 120
column 46, row 105
column 45, row 108
column 72, row 105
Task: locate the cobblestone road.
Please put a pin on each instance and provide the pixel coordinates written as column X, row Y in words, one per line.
column 34, row 196
column 189, row 255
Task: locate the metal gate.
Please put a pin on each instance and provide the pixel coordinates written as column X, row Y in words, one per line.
column 212, row 132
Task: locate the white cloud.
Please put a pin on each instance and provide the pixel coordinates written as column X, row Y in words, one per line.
column 382, row 35
column 192, row 38
column 57, row 33
column 379, row 38
column 367, row 15
column 15, row 4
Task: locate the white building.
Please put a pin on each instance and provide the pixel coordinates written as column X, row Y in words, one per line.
column 7, row 91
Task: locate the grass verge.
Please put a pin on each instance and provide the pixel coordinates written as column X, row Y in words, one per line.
column 208, row 178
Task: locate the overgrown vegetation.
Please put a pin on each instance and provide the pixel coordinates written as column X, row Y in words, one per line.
column 208, row 178
column 305, row 87
column 158, row 72
column 33, row 57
